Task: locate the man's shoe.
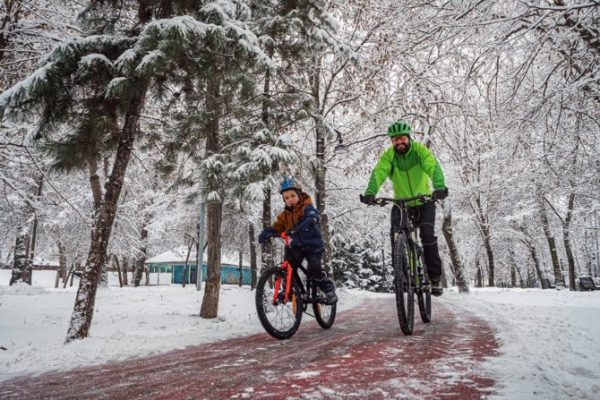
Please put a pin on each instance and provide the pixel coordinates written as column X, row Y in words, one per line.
column 436, row 287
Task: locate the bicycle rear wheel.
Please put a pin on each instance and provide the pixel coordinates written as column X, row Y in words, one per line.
column 403, row 285
column 281, row 320
column 324, row 313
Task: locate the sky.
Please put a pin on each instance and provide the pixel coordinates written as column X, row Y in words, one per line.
column 549, row 340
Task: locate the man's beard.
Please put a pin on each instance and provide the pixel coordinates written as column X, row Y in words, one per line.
column 400, row 149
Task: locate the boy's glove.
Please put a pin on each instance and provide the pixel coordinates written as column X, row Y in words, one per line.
column 265, row 235
column 439, row 194
column 291, row 232
column 367, row 199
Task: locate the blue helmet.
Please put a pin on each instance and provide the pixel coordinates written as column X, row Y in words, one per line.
column 287, row 184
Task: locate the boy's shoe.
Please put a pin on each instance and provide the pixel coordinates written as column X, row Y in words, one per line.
column 436, row 286
column 331, row 297
column 328, row 287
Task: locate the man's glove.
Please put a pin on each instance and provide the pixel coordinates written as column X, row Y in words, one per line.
column 439, row 194
column 265, row 235
column 367, row 199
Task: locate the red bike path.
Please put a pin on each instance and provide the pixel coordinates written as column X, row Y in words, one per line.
column 363, row 356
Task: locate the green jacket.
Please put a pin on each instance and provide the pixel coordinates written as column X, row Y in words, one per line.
column 411, row 173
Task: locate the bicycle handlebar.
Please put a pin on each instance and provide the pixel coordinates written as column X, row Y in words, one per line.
column 382, row 201
column 286, row 239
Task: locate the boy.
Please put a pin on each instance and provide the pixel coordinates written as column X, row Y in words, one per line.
column 300, row 220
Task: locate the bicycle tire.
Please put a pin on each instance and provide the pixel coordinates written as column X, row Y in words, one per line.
column 403, row 284
column 324, row 313
column 280, row 320
column 424, row 299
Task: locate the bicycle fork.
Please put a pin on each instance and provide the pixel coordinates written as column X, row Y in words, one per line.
column 288, row 283
column 422, row 282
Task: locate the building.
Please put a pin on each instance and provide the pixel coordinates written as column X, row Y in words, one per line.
column 173, row 262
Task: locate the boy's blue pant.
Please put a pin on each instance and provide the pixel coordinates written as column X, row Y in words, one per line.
column 314, row 269
column 313, row 259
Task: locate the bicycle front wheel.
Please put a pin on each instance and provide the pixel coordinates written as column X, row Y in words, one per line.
column 403, row 284
column 280, row 319
column 424, row 298
column 324, row 313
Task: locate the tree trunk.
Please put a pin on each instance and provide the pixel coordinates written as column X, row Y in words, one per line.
column 253, row 266
column 95, row 183
column 104, row 274
column 567, row 241
column 457, row 265
column 62, row 262
column 22, row 264
column 140, row 259
column 479, row 278
column 558, row 278
column 210, row 302
column 214, row 214
column 536, row 265
column 83, row 309
column 241, row 269
column 484, row 229
column 34, row 230
column 490, row 256
column 266, row 249
column 123, row 269
column 186, row 270
column 513, row 269
column 124, row 266
column 118, row 268
column 321, row 167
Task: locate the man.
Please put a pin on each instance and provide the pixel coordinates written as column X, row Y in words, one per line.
column 412, row 168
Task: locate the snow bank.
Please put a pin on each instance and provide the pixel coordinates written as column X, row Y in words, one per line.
column 128, row 322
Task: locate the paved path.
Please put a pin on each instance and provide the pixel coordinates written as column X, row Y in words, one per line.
column 363, row 356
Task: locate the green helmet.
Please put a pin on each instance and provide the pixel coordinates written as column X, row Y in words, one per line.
column 399, row 128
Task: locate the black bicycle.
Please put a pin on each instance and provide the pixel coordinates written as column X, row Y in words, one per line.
column 410, row 273
column 282, row 297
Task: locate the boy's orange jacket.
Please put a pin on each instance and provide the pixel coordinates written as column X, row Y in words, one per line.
column 302, row 223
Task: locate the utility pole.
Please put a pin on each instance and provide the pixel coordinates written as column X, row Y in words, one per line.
column 595, row 247
column 383, row 264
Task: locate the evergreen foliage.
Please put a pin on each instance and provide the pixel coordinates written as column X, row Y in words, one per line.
column 358, row 264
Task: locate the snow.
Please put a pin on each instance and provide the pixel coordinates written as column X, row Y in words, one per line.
column 8, row 96
column 549, row 340
column 128, row 322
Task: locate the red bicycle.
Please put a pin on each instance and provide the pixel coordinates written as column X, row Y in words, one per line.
column 282, row 297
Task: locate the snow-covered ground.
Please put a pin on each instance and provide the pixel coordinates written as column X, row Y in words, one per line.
column 549, row 340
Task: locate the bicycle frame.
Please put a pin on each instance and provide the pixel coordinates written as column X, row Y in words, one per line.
column 308, row 290
column 287, row 266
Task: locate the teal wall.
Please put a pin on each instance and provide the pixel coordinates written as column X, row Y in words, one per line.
column 229, row 273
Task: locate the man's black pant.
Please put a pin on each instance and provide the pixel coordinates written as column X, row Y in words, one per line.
column 424, row 217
